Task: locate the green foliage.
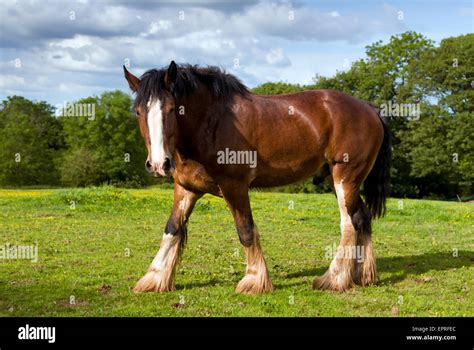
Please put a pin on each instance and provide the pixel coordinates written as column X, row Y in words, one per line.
column 460, row 144
column 81, row 167
column 440, row 145
column 389, row 66
column 278, row 88
column 446, row 74
column 106, row 148
column 382, row 75
column 441, row 154
column 30, row 139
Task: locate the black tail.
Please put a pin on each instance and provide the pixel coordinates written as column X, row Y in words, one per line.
column 377, row 183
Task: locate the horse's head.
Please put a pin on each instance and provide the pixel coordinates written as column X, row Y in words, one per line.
column 155, row 108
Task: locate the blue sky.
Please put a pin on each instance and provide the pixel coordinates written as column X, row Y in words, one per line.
column 64, row 50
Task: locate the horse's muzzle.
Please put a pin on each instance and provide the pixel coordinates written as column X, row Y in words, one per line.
column 160, row 169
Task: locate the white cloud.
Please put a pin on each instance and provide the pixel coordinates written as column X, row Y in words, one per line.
column 159, row 26
column 277, row 57
column 11, row 81
column 76, row 42
column 64, row 57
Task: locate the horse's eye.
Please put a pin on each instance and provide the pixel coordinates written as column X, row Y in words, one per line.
column 137, row 113
column 172, row 110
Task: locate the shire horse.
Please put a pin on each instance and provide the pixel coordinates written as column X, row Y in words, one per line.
column 189, row 114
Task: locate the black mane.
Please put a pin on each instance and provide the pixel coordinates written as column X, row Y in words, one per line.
column 221, row 84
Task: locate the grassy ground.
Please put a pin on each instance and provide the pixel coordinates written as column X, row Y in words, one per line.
column 91, row 256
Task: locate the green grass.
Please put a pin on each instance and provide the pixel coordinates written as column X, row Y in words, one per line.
column 83, row 255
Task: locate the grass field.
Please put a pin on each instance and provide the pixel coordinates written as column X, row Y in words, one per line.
column 94, row 244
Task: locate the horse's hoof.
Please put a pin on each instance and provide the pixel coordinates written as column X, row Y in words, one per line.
column 336, row 283
column 250, row 284
column 153, row 281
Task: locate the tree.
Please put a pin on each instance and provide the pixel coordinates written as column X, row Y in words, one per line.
column 278, row 88
column 382, row 76
column 110, row 141
column 440, row 145
column 81, row 167
column 30, row 138
column 445, row 74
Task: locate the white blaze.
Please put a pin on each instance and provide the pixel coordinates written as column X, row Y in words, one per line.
column 155, row 128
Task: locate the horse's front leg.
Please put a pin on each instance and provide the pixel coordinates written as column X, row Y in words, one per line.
column 256, row 279
column 161, row 273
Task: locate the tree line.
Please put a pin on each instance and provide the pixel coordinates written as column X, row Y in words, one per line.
column 426, row 92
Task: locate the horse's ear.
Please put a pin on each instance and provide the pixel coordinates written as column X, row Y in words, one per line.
column 170, row 76
column 133, row 81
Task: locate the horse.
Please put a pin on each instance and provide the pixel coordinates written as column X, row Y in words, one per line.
column 197, row 122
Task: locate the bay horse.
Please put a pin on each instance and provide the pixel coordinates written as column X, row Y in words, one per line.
column 189, row 115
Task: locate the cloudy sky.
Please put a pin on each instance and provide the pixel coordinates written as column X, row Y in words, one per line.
column 63, row 50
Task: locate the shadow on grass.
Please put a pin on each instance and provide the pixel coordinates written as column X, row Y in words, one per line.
column 401, row 266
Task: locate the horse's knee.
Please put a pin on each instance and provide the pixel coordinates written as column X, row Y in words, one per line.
column 173, row 227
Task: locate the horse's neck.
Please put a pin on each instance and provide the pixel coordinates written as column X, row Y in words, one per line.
column 203, row 113
column 192, row 115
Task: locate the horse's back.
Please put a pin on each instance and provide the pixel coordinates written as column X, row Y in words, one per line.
column 326, row 113
column 339, row 121
column 296, row 134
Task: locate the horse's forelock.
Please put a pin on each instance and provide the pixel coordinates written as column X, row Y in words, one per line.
column 220, row 83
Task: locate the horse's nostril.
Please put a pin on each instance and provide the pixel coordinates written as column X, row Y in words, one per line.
column 167, row 164
column 148, row 166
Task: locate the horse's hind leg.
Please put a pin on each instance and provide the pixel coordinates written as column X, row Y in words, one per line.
column 354, row 262
column 161, row 273
column 366, row 269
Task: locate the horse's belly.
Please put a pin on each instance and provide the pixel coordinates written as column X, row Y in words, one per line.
column 271, row 176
